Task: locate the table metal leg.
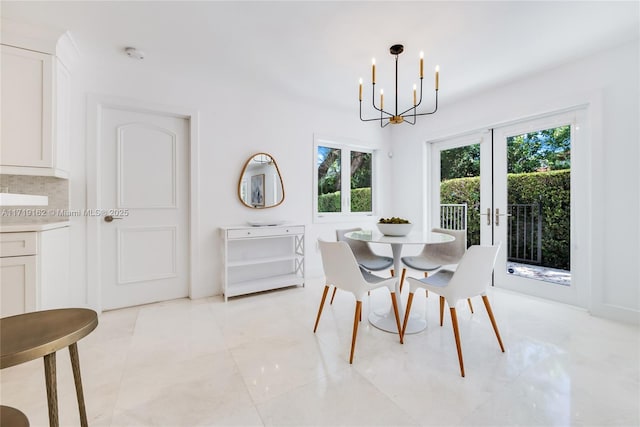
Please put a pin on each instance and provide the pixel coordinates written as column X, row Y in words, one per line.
column 52, row 393
column 75, row 366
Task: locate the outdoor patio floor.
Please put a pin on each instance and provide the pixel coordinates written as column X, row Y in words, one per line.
column 561, row 277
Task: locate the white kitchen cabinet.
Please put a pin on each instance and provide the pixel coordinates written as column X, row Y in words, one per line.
column 18, row 285
column 35, row 101
column 18, row 271
column 53, row 269
column 262, row 258
column 34, row 270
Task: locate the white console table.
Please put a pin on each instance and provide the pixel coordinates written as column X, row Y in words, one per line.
column 262, row 258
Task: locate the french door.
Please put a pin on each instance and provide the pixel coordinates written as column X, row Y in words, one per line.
column 522, row 185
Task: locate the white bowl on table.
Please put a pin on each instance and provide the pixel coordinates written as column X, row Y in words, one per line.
column 395, row 229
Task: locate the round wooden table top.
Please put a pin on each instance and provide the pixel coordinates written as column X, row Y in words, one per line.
column 29, row 336
column 11, row 417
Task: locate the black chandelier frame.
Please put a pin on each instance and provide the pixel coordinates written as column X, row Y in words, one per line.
column 386, row 117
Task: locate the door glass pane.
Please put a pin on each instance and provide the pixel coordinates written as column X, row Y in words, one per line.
column 361, row 182
column 328, row 164
column 539, row 200
column 460, row 190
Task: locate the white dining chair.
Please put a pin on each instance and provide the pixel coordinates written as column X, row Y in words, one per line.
column 434, row 257
column 342, row 270
column 472, row 277
column 365, row 256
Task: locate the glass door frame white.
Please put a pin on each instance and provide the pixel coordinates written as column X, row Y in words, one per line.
column 576, row 294
column 435, row 147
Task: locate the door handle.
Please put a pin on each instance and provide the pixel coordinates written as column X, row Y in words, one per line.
column 110, row 218
column 498, row 215
column 488, row 214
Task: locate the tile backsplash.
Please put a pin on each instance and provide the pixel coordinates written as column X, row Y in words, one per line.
column 56, row 189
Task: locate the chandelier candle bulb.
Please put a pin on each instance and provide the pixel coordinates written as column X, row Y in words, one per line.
column 421, row 64
column 360, row 91
column 437, row 76
column 381, row 99
column 414, row 96
column 373, row 70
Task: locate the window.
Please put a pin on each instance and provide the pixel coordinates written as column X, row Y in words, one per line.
column 343, row 180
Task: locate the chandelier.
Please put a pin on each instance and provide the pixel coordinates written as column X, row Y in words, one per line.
column 408, row 114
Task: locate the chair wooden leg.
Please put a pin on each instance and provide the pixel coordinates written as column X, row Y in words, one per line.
column 406, row 315
column 394, row 301
column 493, row 320
column 324, row 296
column 333, row 295
column 404, row 273
column 441, row 310
column 393, row 272
column 355, row 329
column 456, row 333
column 470, row 305
column 426, row 292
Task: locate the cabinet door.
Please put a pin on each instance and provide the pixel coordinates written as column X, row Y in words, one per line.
column 27, row 108
column 53, row 269
column 17, row 285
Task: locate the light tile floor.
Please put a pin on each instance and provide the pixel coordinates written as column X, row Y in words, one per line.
column 255, row 361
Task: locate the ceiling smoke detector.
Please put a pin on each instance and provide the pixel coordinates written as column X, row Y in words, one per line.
column 134, row 53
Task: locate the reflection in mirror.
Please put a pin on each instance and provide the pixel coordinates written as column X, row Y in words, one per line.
column 260, row 184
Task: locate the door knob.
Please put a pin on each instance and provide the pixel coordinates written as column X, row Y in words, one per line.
column 498, row 215
column 488, row 214
column 110, row 218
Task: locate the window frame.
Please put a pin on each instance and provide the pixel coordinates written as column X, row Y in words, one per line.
column 346, row 146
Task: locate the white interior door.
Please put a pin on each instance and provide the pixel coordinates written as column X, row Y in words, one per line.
column 144, row 204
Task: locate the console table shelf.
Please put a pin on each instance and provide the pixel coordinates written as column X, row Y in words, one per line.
column 257, row 259
column 264, row 284
column 266, row 260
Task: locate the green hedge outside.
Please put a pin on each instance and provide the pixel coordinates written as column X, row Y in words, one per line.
column 360, row 201
column 551, row 189
column 465, row 190
column 329, row 202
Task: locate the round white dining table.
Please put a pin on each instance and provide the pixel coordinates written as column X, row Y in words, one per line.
column 385, row 319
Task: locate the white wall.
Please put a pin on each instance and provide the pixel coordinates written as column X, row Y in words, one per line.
column 609, row 82
column 238, row 118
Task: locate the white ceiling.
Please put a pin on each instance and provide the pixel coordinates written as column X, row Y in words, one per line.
column 318, row 50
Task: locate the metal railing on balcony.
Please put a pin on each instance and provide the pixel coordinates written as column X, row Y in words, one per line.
column 453, row 216
column 525, row 233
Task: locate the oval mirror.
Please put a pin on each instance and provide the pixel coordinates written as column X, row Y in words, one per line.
column 260, row 184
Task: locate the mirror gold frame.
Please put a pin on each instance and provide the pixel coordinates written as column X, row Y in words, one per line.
column 253, row 190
